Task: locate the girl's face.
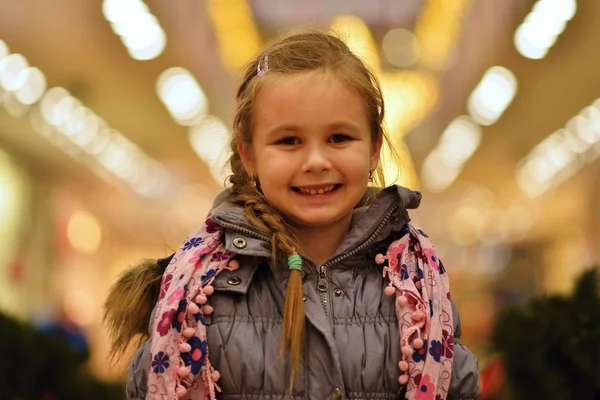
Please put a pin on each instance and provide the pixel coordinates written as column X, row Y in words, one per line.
column 311, row 148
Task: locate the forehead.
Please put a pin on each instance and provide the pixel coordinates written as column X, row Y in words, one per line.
column 309, row 99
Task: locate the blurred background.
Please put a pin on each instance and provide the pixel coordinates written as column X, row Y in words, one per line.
column 115, row 114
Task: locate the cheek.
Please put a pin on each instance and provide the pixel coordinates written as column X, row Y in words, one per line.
column 274, row 169
column 357, row 164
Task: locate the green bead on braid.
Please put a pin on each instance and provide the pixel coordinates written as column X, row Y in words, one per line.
column 295, row 262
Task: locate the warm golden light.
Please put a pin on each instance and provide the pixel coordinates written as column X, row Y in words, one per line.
column 358, row 37
column 80, row 307
column 84, row 232
column 182, row 95
column 409, row 97
column 562, row 154
column 237, row 34
column 542, row 27
column 437, row 31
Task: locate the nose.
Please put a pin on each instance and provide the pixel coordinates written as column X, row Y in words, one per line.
column 317, row 159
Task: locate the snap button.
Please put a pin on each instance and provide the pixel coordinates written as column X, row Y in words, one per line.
column 234, row 280
column 303, row 298
column 336, row 394
column 338, row 292
column 239, row 242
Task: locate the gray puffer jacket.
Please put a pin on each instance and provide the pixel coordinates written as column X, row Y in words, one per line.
column 352, row 343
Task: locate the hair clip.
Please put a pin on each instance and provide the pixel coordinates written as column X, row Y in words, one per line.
column 263, row 66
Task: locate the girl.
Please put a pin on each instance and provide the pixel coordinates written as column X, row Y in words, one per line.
column 303, row 282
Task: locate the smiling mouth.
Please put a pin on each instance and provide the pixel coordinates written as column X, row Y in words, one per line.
column 316, row 190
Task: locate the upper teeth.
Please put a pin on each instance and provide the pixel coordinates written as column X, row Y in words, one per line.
column 317, row 191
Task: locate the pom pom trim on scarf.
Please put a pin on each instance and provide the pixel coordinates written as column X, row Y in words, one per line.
column 418, row 280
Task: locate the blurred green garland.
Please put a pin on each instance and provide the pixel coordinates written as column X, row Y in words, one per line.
column 551, row 346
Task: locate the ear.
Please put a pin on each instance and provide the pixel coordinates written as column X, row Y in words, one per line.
column 376, row 152
column 247, row 157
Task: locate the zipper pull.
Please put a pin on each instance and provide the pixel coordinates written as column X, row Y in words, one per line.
column 322, row 285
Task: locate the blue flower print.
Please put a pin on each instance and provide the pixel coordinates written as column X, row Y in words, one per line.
column 209, row 274
column 194, row 242
column 160, row 362
column 179, row 315
column 420, row 354
column 195, row 357
column 404, row 272
column 436, row 350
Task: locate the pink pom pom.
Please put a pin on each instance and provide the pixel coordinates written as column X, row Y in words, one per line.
column 390, row 290
column 185, row 347
column 183, row 372
column 201, row 299
column 207, row 309
column 403, row 365
column 215, row 376
column 407, row 350
column 233, row 265
column 418, row 343
column 193, row 308
column 417, row 315
column 402, row 301
column 403, row 379
column 208, row 290
column 418, row 285
column 188, row 332
column 379, row 258
column 181, row 391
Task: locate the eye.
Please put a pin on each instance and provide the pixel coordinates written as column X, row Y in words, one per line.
column 339, row 138
column 289, row 141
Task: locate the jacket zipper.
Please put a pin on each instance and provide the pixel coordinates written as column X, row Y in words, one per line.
column 323, row 278
column 322, row 287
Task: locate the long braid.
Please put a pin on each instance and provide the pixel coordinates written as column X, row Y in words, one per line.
column 261, row 214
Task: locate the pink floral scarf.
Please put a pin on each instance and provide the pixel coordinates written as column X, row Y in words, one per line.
column 179, row 364
column 424, row 310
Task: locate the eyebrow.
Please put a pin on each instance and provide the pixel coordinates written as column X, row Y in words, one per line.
column 344, row 124
column 350, row 125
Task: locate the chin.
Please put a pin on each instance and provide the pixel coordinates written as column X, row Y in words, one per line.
column 315, row 221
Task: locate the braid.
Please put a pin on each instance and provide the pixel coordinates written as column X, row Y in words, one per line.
column 261, row 214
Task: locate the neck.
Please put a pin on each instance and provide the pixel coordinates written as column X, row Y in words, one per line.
column 320, row 243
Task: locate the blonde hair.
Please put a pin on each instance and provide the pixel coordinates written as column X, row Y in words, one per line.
column 295, row 53
column 129, row 305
